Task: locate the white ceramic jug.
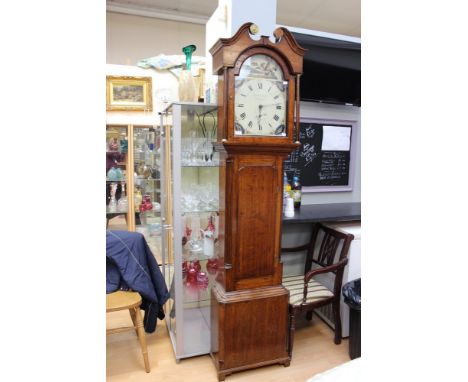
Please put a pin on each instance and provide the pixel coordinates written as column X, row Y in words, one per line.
column 208, row 242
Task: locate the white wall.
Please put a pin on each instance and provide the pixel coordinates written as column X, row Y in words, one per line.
column 130, row 38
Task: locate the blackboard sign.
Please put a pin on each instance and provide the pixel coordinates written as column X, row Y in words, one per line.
column 324, row 159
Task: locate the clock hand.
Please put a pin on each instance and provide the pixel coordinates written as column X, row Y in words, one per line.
column 259, row 116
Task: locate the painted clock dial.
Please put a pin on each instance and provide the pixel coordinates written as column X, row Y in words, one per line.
column 260, row 98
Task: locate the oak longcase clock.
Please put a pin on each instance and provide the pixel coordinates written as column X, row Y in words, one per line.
column 258, row 116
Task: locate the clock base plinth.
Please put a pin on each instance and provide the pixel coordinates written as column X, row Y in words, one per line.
column 249, row 328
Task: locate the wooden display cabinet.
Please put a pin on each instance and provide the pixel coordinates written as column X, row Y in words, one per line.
column 134, row 149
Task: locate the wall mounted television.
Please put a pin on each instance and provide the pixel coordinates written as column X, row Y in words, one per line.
column 332, row 70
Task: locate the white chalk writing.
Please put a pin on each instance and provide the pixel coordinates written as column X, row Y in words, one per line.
column 308, row 153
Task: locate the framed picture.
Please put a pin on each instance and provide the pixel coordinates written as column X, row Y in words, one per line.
column 128, row 93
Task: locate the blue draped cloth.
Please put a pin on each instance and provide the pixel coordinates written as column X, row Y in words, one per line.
column 130, row 264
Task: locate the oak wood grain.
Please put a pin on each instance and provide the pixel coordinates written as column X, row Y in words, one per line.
column 249, row 317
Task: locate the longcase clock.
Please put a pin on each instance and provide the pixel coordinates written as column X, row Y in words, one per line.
column 258, row 116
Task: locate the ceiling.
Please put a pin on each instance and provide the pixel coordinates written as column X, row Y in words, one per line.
column 332, row 16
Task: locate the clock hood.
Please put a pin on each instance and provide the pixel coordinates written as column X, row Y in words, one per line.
column 285, row 45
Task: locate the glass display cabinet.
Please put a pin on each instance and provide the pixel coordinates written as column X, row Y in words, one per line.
column 133, row 197
column 190, row 222
column 146, row 185
column 117, row 165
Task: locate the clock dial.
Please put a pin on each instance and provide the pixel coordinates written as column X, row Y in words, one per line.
column 260, row 98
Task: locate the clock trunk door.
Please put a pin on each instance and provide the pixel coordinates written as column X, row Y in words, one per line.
column 254, row 252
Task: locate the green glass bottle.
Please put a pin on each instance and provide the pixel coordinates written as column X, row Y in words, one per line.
column 188, row 90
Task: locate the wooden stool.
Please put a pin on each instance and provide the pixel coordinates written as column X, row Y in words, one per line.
column 121, row 300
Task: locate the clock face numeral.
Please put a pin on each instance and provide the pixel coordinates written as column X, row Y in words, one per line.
column 280, row 129
column 239, row 128
column 260, row 98
column 281, row 86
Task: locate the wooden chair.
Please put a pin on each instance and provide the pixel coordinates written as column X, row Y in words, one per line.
column 121, row 300
column 305, row 292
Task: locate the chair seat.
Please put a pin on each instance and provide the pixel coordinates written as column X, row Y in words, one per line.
column 121, row 300
column 315, row 290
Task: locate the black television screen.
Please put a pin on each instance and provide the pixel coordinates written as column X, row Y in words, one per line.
column 332, row 70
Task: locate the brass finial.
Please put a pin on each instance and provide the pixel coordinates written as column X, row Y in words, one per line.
column 254, row 29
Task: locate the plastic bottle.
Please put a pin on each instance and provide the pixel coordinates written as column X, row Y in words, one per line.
column 296, row 192
column 286, row 190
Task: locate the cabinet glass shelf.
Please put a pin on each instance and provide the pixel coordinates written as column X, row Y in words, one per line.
column 196, row 212
column 152, row 190
column 189, row 208
column 200, row 165
column 199, row 256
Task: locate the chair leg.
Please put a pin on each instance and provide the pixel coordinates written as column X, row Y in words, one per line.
column 142, row 338
column 309, row 315
column 292, row 328
column 337, row 316
column 132, row 315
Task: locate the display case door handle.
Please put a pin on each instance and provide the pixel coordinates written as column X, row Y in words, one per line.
column 167, row 226
column 227, row 266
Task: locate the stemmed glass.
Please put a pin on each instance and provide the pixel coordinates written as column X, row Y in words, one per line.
column 196, row 149
column 208, row 129
column 200, row 198
column 186, row 151
column 210, row 135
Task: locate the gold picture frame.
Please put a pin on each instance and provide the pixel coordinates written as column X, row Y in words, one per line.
column 129, row 93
